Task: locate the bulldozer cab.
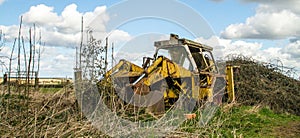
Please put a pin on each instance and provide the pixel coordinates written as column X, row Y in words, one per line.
column 177, row 55
column 191, row 55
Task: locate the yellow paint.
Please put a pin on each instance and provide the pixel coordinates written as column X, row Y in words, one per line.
column 230, row 83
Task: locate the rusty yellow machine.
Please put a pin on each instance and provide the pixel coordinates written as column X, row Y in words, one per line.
column 178, row 67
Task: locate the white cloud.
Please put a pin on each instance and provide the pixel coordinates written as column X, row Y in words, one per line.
column 58, row 29
column 119, row 36
column 289, row 55
column 217, row 0
column 41, row 15
column 276, row 20
column 56, row 38
column 277, row 5
column 57, row 61
column 133, row 57
column 1, row 1
column 71, row 20
column 61, row 33
column 68, row 22
column 224, row 47
column 293, row 49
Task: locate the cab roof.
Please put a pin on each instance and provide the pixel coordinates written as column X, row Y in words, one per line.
column 175, row 41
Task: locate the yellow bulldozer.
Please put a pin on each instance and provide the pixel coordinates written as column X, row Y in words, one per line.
column 179, row 67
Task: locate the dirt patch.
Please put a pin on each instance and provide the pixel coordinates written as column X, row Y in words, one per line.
column 290, row 130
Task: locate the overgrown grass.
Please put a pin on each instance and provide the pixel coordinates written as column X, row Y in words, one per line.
column 251, row 122
column 49, row 89
column 245, row 121
column 57, row 114
column 43, row 115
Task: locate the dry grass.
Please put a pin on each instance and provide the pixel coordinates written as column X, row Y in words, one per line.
column 58, row 115
column 43, row 115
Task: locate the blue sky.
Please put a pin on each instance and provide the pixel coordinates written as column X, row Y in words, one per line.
column 218, row 14
column 257, row 28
